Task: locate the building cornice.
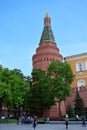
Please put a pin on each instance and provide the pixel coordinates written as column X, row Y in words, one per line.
column 75, row 57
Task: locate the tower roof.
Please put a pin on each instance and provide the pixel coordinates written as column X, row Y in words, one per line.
column 47, row 33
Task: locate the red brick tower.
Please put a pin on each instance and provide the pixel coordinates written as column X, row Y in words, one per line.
column 45, row 54
column 47, row 50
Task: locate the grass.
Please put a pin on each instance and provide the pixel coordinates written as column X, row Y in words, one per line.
column 9, row 121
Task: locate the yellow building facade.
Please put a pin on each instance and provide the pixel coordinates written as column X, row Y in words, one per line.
column 78, row 64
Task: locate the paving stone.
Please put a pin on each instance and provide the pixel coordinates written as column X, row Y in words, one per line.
column 41, row 127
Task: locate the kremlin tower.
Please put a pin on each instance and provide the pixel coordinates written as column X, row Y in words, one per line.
column 47, row 50
column 45, row 54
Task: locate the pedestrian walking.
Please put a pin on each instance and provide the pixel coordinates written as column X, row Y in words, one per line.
column 67, row 116
column 83, row 122
column 77, row 117
column 18, row 120
column 66, row 122
column 35, row 122
column 22, row 119
column 48, row 120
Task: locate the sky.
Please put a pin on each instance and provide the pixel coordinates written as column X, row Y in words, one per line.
column 21, row 25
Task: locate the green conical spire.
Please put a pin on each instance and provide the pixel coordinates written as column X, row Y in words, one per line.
column 47, row 34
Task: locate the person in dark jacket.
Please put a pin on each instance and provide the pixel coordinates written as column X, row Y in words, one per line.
column 35, row 122
column 66, row 122
column 83, row 122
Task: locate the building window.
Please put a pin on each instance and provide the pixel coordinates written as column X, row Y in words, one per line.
column 80, row 83
column 86, row 65
column 80, row 66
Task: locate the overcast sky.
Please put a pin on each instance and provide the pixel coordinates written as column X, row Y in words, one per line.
column 21, row 25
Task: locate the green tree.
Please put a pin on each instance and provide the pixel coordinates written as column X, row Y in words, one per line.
column 40, row 97
column 62, row 77
column 13, row 87
column 79, row 105
column 70, row 111
column 26, row 97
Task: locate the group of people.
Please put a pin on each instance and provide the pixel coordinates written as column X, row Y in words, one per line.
column 34, row 120
column 29, row 120
column 83, row 120
column 77, row 119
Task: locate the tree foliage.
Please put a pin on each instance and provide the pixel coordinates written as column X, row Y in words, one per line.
column 48, row 85
column 13, row 87
column 79, row 104
column 41, row 96
column 62, row 77
column 70, row 111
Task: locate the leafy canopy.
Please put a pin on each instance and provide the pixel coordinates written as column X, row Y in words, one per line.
column 13, row 86
column 62, row 77
column 41, row 97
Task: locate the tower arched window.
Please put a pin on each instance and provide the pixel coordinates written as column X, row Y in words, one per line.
column 86, row 65
column 50, row 58
column 80, row 66
column 80, row 83
column 47, row 58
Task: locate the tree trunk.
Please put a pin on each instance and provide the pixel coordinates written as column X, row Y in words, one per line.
column 0, row 109
column 60, row 115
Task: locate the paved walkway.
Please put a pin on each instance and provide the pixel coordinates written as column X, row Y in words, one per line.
column 41, row 127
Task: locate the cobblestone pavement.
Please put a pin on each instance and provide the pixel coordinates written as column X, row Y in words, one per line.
column 41, row 127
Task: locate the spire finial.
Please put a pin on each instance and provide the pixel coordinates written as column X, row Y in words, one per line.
column 46, row 13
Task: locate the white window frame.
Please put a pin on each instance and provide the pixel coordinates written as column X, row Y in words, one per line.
column 80, row 83
column 80, row 66
column 86, row 65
